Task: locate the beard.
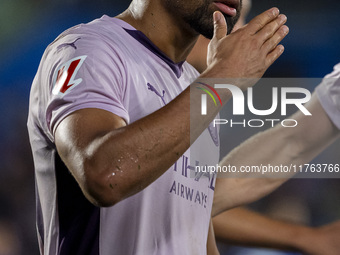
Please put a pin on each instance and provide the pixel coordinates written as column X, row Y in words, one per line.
column 201, row 20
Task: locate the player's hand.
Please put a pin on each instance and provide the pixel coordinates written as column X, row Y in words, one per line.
column 323, row 240
column 249, row 51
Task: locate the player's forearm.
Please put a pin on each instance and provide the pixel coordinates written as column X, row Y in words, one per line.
column 124, row 161
column 243, row 227
column 285, row 146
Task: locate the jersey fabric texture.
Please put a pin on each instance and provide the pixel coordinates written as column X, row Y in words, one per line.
column 329, row 93
column 109, row 65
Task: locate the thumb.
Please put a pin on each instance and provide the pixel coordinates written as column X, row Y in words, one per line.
column 220, row 25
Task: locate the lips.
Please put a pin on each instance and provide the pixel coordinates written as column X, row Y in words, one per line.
column 228, row 7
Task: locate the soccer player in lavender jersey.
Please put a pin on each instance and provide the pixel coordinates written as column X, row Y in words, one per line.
column 111, row 159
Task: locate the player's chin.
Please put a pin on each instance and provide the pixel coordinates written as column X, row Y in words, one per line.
column 207, row 30
column 231, row 22
column 209, row 34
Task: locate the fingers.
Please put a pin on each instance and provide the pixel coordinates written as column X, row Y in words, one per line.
column 220, row 26
column 270, row 29
column 254, row 47
column 260, row 21
column 270, row 32
column 273, row 41
column 274, row 55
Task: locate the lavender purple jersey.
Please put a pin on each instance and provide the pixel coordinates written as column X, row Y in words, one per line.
column 329, row 95
column 109, row 65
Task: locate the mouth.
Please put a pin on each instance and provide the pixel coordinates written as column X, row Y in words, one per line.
column 228, row 7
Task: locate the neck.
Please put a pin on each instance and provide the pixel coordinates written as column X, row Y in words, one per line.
column 172, row 36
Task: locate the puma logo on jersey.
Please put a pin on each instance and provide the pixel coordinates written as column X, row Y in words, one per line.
column 153, row 89
column 72, row 44
column 65, row 76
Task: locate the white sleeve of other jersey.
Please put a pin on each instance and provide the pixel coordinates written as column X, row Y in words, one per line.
column 328, row 93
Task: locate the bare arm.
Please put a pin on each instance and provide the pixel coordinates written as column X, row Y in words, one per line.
column 111, row 160
column 275, row 146
column 243, row 227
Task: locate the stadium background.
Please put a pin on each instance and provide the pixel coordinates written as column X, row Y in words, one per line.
column 28, row 26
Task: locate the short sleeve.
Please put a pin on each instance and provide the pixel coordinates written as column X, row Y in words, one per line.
column 86, row 74
column 328, row 93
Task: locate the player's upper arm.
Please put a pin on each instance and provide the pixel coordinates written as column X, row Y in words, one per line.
column 78, row 138
column 85, row 102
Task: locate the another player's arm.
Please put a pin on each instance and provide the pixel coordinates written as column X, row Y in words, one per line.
column 243, row 227
column 276, row 146
column 112, row 161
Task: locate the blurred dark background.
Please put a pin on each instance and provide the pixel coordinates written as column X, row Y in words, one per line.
column 28, row 26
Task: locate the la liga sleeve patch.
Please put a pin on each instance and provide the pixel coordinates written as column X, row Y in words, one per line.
column 64, row 78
